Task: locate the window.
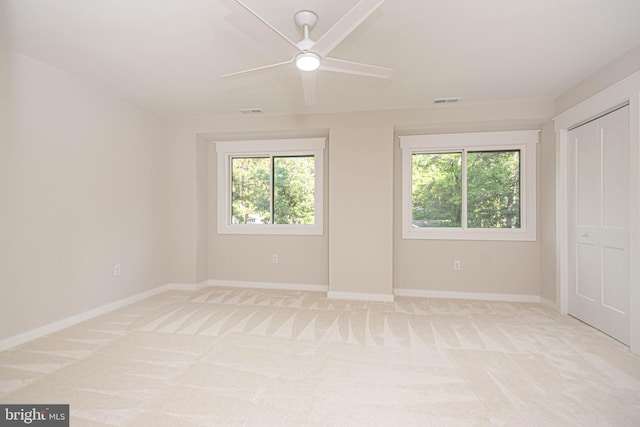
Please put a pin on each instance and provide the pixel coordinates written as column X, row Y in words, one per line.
column 476, row 186
column 270, row 186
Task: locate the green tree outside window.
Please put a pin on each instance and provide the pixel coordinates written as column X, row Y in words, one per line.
column 273, row 190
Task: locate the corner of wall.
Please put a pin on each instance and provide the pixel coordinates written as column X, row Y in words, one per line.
column 202, row 212
column 547, row 212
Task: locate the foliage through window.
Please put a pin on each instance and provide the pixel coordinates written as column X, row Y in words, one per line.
column 437, row 190
column 493, row 189
column 270, row 186
column 273, row 190
column 469, row 186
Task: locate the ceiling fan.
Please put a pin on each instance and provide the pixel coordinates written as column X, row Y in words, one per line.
column 307, row 54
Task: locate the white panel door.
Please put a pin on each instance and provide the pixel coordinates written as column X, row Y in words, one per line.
column 599, row 235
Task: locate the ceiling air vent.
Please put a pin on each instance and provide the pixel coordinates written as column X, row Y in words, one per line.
column 250, row 110
column 446, row 100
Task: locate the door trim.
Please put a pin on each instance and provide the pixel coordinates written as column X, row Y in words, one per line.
column 599, row 116
column 627, row 90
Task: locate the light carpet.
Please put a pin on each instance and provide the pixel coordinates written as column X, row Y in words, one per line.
column 245, row 357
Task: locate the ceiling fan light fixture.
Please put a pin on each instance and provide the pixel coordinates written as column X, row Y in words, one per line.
column 308, row 61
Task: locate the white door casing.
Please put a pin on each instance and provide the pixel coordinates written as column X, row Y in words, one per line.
column 598, row 214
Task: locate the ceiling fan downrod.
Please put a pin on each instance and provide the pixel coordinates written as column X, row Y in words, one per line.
column 306, row 60
column 306, row 19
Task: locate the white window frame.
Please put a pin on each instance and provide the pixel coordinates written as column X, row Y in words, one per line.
column 226, row 150
column 525, row 141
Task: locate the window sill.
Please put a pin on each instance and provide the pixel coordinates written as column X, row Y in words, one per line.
column 267, row 229
column 469, row 234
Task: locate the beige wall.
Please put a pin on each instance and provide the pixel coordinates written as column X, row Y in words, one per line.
column 202, row 209
column 84, row 180
column 549, row 290
column 4, row 95
column 183, row 209
column 361, row 252
column 361, row 204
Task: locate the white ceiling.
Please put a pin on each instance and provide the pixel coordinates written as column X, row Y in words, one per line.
column 168, row 55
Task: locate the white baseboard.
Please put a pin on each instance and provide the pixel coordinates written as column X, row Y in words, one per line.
column 181, row 287
column 466, row 295
column 89, row 314
column 187, row 286
column 268, row 285
column 358, row 296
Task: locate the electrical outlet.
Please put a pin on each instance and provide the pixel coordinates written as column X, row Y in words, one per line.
column 457, row 265
column 274, row 258
column 116, row 270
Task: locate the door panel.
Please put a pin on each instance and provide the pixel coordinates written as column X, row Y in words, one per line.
column 613, row 291
column 587, row 159
column 615, row 176
column 587, row 286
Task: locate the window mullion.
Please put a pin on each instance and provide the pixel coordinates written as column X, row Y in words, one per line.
column 272, row 189
column 229, row 188
column 464, row 190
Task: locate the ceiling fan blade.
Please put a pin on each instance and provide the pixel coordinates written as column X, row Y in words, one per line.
column 348, row 67
column 345, row 26
column 253, row 71
column 257, row 21
column 309, row 86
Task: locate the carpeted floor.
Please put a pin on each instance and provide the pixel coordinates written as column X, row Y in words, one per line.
column 241, row 357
